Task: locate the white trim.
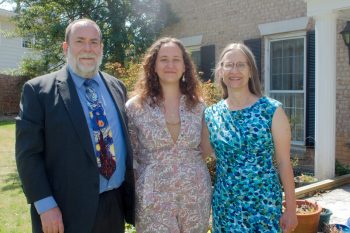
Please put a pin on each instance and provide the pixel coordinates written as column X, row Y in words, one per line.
column 325, row 87
column 192, row 41
column 267, row 40
column 283, row 26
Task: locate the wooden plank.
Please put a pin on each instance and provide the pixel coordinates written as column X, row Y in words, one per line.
column 311, row 189
column 324, row 185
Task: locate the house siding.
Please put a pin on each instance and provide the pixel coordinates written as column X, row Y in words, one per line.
column 224, row 21
column 11, row 50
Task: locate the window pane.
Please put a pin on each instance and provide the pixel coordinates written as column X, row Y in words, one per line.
column 298, row 82
column 27, row 42
column 287, row 81
column 293, row 105
column 287, row 62
column 277, row 67
column 196, row 57
column 276, row 49
column 276, row 82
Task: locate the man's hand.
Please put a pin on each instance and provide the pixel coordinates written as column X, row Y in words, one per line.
column 51, row 221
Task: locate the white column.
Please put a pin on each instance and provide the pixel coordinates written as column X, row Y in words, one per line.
column 325, row 30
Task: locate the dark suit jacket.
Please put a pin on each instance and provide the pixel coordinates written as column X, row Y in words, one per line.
column 54, row 152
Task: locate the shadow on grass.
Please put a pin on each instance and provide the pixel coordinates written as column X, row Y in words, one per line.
column 7, row 122
column 11, row 182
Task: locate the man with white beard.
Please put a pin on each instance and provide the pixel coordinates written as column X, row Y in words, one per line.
column 73, row 149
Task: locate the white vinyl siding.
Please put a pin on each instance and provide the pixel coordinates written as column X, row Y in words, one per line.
column 11, row 50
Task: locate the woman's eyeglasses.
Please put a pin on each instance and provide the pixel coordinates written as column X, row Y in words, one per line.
column 240, row 66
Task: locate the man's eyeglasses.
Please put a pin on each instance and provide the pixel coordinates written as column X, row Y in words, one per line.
column 240, row 66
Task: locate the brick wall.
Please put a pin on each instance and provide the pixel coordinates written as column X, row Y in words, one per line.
column 225, row 21
column 10, row 92
column 343, row 99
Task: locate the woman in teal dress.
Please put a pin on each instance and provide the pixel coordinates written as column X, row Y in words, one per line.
column 247, row 130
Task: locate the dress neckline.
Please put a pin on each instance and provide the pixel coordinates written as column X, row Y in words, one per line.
column 243, row 109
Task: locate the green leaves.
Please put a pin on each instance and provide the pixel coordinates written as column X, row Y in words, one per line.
column 128, row 27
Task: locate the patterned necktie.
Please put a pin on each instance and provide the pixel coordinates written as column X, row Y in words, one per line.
column 105, row 153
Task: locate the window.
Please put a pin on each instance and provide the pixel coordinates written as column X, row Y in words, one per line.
column 196, row 56
column 286, row 80
column 27, row 42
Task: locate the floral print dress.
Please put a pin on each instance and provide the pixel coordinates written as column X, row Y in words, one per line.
column 247, row 192
column 173, row 187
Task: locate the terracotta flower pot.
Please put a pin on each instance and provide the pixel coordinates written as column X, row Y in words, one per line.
column 308, row 217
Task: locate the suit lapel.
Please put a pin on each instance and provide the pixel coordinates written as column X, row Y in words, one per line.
column 68, row 92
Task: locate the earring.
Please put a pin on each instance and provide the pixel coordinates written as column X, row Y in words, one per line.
column 183, row 78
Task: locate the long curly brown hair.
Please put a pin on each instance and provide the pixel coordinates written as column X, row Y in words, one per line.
column 148, row 85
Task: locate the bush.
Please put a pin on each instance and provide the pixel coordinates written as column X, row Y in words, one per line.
column 341, row 169
column 211, row 93
column 128, row 74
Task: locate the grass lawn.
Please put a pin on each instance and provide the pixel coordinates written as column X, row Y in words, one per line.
column 14, row 210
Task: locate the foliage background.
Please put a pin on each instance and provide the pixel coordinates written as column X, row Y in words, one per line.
column 128, row 28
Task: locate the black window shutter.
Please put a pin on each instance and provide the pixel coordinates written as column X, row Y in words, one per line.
column 255, row 46
column 310, row 90
column 207, row 62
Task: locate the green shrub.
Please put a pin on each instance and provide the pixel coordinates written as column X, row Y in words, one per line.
column 128, row 74
column 211, row 93
column 341, row 169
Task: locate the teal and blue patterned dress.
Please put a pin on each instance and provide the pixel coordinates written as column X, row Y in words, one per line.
column 247, row 192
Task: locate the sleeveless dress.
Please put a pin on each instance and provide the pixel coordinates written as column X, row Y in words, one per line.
column 247, row 193
column 173, row 187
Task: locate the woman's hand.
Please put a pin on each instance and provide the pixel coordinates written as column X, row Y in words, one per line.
column 288, row 221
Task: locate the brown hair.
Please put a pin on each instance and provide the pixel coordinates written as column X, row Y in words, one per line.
column 148, row 85
column 254, row 81
column 86, row 22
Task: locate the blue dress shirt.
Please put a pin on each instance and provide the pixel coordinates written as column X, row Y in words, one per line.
column 118, row 137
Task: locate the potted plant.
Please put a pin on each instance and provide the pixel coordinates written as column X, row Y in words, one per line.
column 308, row 214
column 304, row 179
column 324, row 219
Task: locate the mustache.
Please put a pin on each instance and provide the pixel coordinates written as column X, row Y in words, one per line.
column 86, row 55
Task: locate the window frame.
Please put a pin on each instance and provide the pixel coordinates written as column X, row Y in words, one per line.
column 267, row 79
column 31, row 40
column 192, row 49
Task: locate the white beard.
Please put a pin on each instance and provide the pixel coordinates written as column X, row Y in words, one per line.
column 80, row 69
